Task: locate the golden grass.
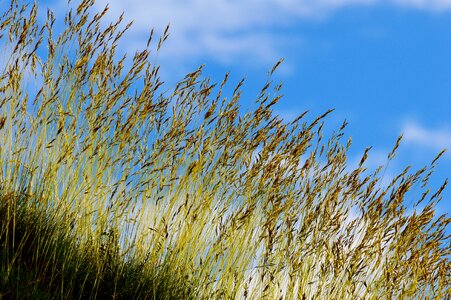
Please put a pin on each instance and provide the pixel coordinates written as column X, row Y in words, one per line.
column 112, row 188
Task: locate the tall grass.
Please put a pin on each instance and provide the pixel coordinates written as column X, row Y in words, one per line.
column 113, row 188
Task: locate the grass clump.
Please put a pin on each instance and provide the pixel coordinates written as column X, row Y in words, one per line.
column 112, row 188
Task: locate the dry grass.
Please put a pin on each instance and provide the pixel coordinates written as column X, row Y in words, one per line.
column 111, row 188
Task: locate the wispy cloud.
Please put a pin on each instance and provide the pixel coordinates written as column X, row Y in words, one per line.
column 432, row 5
column 232, row 31
column 223, row 30
column 437, row 139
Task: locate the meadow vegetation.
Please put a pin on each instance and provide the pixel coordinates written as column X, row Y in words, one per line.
column 111, row 187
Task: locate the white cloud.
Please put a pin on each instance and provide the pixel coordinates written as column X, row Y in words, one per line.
column 225, row 30
column 232, row 31
column 433, row 5
column 437, row 139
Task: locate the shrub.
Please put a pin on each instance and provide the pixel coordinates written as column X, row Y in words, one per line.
column 111, row 187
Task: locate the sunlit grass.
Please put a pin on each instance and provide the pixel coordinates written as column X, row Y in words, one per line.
column 110, row 187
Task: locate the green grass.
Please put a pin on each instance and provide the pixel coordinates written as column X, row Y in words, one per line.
column 42, row 260
column 113, row 188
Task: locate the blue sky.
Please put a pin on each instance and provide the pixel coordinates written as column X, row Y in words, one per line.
column 383, row 65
